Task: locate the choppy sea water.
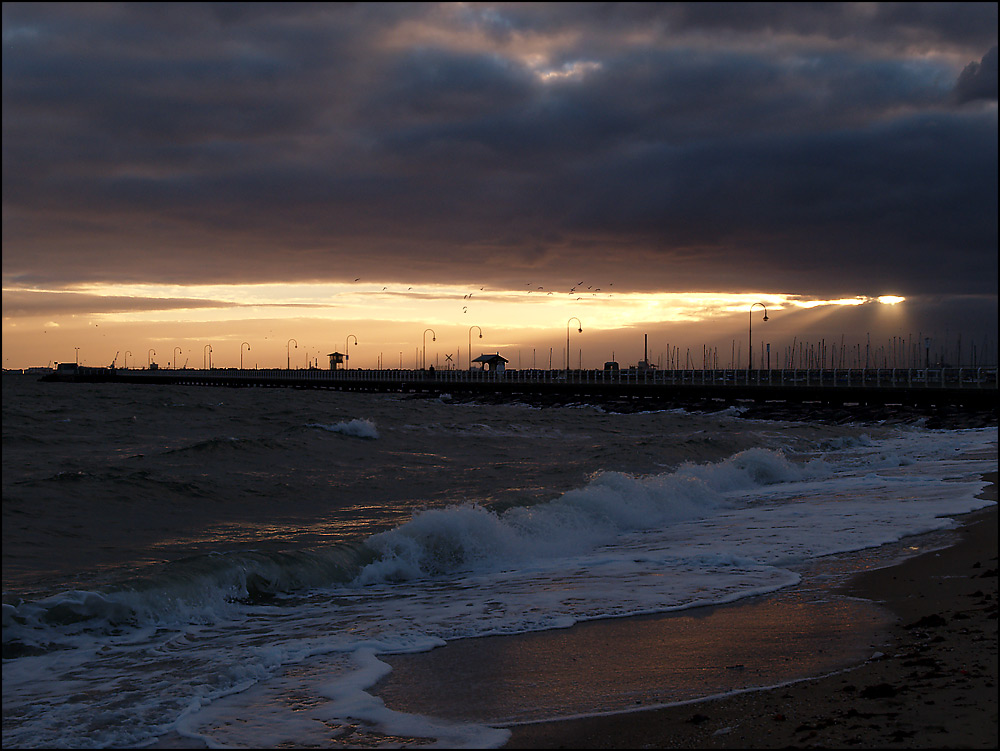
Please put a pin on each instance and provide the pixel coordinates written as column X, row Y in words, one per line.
column 171, row 555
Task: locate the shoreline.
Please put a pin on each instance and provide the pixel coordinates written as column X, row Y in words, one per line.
column 933, row 683
column 922, row 676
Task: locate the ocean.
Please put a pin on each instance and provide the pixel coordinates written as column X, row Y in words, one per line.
column 238, row 567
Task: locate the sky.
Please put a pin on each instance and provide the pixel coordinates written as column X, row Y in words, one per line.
column 262, row 184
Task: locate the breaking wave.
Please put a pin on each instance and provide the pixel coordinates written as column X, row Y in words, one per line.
column 200, row 589
column 357, row 428
column 204, row 589
column 470, row 536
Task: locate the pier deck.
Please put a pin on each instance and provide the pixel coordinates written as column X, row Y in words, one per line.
column 974, row 388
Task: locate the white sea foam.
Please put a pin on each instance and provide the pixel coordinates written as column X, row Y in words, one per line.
column 470, row 537
column 357, row 428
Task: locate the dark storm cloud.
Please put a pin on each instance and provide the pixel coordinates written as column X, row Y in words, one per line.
column 746, row 144
column 979, row 80
column 886, row 202
column 890, row 26
column 21, row 303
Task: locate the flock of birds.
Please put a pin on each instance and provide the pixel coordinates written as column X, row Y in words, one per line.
column 574, row 288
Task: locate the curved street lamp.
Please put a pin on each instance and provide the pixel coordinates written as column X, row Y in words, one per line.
column 750, row 343
column 470, row 342
column 149, row 357
column 247, row 345
column 288, row 352
column 77, row 356
column 207, row 348
column 347, row 342
column 176, row 350
column 433, row 339
column 580, row 329
column 127, row 353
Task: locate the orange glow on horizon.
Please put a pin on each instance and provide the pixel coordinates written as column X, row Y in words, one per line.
column 386, row 318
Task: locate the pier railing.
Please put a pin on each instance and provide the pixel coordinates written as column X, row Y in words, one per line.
column 929, row 388
column 894, row 378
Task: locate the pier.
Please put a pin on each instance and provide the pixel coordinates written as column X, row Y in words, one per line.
column 969, row 388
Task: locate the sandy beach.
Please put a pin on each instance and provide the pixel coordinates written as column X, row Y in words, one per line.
column 932, row 684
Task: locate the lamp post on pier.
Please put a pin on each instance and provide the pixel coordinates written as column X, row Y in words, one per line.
column 750, row 343
column 470, row 342
column 347, row 351
column 149, row 357
column 176, row 350
column 207, row 349
column 247, row 345
column 423, row 364
column 288, row 353
column 127, row 353
column 579, row 329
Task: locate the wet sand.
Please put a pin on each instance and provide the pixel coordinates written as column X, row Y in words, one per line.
column 931, row 684
column 616, row 665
